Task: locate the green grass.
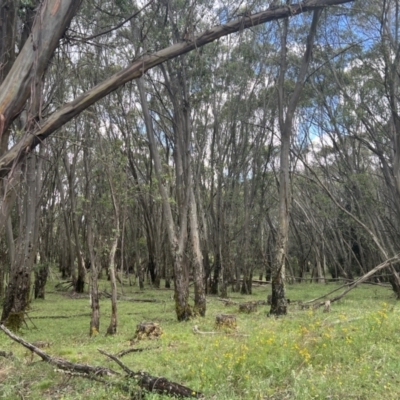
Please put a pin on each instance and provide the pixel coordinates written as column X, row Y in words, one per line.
column 350, row 353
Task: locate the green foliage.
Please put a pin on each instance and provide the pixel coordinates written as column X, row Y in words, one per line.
column 306, row 355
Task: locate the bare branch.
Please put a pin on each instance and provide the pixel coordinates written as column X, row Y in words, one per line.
column 58, row 362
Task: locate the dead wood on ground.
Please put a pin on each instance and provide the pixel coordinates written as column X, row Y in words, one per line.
column 388, row 263
column 135, row 350
column 60, row 316
column 59, row 362
column 155, row 384
column 199, row 332
column 144, row 380
column 134, row 300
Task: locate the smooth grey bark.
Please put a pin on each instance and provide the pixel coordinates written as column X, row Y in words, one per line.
column 54, row 16
column 198, row 273
column 177, row 240
column 112, row 327
column 18, row 77
column 286, row 117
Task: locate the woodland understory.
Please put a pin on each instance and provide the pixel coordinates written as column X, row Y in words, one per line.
column 176, row 159
column 197, row 144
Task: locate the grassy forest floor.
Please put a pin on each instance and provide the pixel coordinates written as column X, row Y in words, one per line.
column 350, row 353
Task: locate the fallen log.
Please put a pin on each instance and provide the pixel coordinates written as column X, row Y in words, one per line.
column 134, row 300
column 146, row 381
column 59, row 362
column 155, row 384
column 60, row 316
column 388, row 263
column 134, row 350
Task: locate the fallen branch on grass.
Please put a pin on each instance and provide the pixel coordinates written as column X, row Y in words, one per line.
column 155, row 384
column 60, row 316
column 59, row 362
column 199, row 332
column 144, row 380
column 134, row 350
column 125, row 298
column 326, row 295
column 388, row 263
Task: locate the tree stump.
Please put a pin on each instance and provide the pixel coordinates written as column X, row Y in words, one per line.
column 147, row 330
column 248, row 307
column 227, row 321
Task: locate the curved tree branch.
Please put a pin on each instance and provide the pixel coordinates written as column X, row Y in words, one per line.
column 136, row 70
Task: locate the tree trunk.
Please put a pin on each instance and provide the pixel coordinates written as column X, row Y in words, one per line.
column 177, row 244
column 53, row 17
column 41, row 273
column 94, row 327
column 66, row 262
column 112, row 328
column 17, row 296
column 16, row 88
column 279, row 303
column 198, row 268
column 79, row 282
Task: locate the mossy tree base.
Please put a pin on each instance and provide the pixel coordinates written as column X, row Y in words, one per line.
column 199, row 310
column 15, row 321
column 278, row 299
column 184, row 313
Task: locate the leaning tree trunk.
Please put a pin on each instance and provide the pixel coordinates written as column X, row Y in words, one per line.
column 54, row 18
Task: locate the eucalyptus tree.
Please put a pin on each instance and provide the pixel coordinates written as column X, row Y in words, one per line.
column 287, row 105
column 356, row 89
column 31, row 64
